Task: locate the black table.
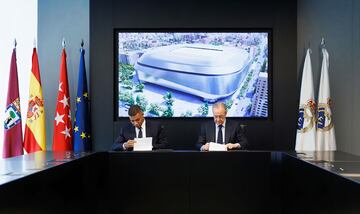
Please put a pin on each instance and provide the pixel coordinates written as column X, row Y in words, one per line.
column 180, row 182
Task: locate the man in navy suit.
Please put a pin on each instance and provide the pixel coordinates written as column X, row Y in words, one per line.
column 223, row 131
column 138, row 128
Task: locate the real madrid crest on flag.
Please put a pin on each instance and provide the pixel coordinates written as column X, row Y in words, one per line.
column 306, row 129
column 306, row 120
column 324, row 121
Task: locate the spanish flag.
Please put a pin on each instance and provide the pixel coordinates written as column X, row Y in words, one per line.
column 35, row 139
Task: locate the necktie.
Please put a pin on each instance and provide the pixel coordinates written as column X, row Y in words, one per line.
column 140, row 133
column 220, row 135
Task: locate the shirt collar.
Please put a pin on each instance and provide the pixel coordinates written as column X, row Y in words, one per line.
column 223, row 125
column 143, row 126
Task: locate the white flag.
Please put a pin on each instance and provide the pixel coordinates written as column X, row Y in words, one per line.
column 306, row 127
column 325, row 137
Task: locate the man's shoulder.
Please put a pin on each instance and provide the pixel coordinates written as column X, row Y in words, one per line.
column 208, row 124
column 127, row 126
column 153, row 123
column 232, row 124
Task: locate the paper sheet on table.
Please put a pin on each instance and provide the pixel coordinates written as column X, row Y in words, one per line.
column 143, row 144
column 217, row 147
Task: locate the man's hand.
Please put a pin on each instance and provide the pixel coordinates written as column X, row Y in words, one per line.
column 129, row 144
column 205, row 147
column 231, row 146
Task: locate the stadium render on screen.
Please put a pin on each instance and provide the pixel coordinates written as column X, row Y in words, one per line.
column 182, row 74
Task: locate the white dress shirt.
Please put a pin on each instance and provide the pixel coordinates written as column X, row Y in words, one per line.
column 143, row 128
column 217, row 131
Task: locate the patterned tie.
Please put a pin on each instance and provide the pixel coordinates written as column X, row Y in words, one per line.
column 140, row 133
column 220, row 135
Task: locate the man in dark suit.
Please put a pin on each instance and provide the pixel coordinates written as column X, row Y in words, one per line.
column 138, row 128
column 223, row 131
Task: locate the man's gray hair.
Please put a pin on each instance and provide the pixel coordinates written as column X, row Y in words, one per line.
column 219, row 105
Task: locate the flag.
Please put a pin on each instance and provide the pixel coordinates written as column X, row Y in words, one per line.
column 306, row 129
column 13, row 142
column 82, row 141
column 62, row 139
column 325, row 134
column 34, row 139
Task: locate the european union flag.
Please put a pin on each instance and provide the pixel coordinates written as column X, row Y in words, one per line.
column 82, row 140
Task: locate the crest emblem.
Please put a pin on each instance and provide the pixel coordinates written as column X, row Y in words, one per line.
column 324, row 120
column 12, row 114
column 306, row 119
column 35, row 108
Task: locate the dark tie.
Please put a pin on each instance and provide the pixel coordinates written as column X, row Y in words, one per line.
column 220, row 135
column 140, row 133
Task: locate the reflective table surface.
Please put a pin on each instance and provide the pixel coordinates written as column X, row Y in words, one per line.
column 24, row 165
column 341, row 163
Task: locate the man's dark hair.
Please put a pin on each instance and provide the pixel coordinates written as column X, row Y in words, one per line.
column 133, row 110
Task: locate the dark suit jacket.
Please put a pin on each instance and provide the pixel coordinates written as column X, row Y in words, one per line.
column 153, row 129
column 233, row 134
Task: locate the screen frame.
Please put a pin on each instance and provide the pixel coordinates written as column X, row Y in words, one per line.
column 270, row 88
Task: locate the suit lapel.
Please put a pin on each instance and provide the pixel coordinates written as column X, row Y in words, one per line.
column 228, row 129
column 148, row 129
column 132, row 132
column 211, row 132
column 151, row 131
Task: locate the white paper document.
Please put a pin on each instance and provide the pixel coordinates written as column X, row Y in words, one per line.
column 217, row 147
column 143, row 144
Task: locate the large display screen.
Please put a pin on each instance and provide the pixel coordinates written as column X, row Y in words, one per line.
column 182, row 74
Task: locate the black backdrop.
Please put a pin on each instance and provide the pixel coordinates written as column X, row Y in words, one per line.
column 277, row 133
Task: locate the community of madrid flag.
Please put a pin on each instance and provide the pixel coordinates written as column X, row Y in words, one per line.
column 62, row 140
column 82, row 141
column 13, row 142
column 306, row 126
column 325, row 134
column 34, row 139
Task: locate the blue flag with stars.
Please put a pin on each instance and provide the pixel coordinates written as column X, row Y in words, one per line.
column 82, row 140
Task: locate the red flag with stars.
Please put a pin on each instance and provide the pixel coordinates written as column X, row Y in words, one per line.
column 62, row 140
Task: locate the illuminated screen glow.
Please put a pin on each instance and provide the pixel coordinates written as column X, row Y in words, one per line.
column 182, row 74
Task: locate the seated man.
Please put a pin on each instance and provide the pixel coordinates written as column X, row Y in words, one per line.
column 223, row 131
column 138, row 128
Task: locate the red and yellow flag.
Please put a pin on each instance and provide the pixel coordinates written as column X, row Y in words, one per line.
column 35, row 139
